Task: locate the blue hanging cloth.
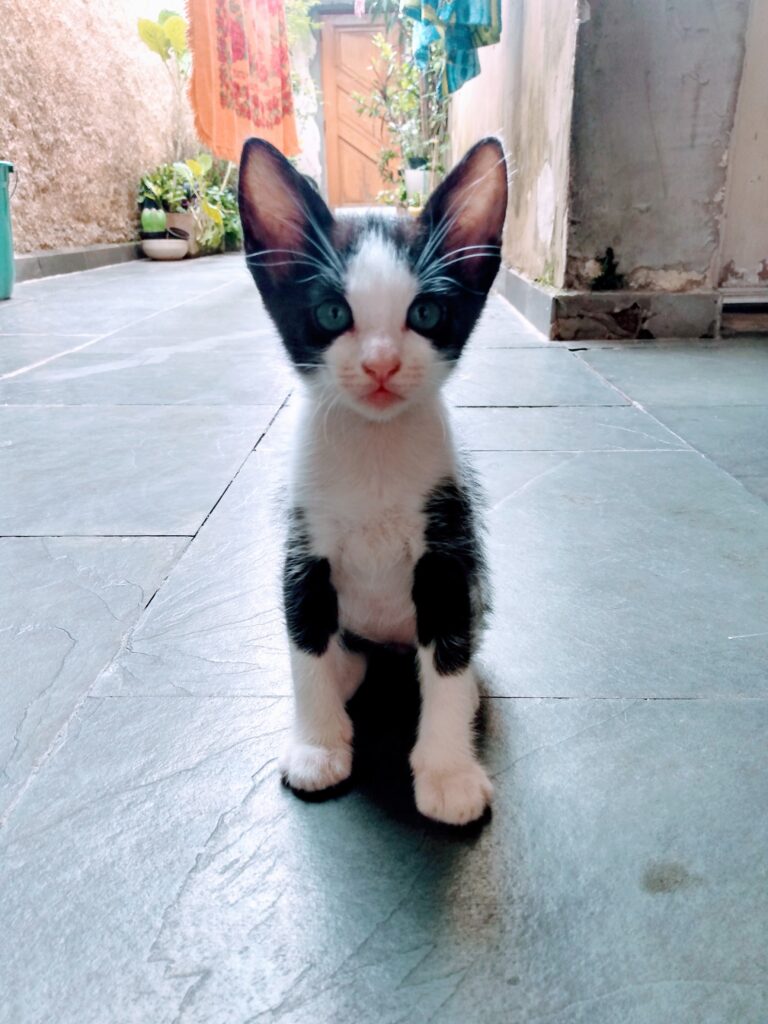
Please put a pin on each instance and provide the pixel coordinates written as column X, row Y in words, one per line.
column 463, row 26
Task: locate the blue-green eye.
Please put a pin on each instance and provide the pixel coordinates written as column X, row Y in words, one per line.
column 424, row 315
column 333, row 316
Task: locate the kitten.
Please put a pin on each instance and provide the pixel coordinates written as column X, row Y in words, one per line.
column 383, row 539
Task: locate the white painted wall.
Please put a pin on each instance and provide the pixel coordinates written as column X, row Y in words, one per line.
column 525, row 94
column 744, row 252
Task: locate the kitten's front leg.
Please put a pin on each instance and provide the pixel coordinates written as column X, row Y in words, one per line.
column 319, row 753
column 325, row 674
column 450, row 784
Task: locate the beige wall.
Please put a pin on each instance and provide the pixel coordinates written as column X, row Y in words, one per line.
column 84, row 111
column 744, row 254
column 524, row 94
column 654, row 100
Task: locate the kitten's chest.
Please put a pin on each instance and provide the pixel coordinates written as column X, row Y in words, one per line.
column 367, row 518
column 373, row 549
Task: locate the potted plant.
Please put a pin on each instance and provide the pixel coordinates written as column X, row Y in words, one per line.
column 158, row 241
column 409, row 103
column 166, row 190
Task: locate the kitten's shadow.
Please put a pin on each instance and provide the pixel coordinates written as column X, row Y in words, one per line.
column 385, row 713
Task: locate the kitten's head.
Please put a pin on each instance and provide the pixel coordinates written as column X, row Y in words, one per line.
column 373, row 310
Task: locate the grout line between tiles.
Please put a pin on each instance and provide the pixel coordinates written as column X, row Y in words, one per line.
column 691, row 447
column 95, row 536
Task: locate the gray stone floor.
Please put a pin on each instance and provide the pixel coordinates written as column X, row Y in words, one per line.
column 153, row 870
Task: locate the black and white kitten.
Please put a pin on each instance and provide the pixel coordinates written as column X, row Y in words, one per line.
column 383, row 546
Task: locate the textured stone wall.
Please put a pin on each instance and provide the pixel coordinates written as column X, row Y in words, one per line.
column 85, row 109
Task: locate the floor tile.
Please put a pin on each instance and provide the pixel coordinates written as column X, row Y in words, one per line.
column 65, row 605
column 164, row 376
column 107, row 299
column 733, row 436
column 638, row 574
column 119, row 470
column 217, row 625
column 621, row 878
column 19, row 350
column 501, row 327
column 733, row 373
column 532, row 377
column 233, row 312
column 622, row 428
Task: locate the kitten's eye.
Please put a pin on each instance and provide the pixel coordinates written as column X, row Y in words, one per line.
column 424, row 315
column 333, row 316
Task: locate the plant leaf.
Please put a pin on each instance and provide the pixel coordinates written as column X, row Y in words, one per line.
column 164, row 15
column 205, row 160
column 212, row 211
column 195, row 168
column 175, row 29
column 153, row 36
column 184, row 171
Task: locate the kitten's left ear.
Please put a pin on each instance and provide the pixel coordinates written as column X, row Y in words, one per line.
column 283, row 216
column 464, row 216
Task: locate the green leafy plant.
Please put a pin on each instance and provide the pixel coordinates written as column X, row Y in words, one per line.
column 409, row 104
column 167, row 37
column 200, row 187
column 165, row 189
column 298, row 20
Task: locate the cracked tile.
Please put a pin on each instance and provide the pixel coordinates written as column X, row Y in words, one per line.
column 733, row 436
column 64, row 608
column 120, row 469
column 568, row 429
column 729, row 373
column 217, row 626
column 624, row 574
column 589, row 897
column 526, row 376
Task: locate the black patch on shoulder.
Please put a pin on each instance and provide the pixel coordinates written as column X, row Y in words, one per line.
column 311, row 604
column 447, row 578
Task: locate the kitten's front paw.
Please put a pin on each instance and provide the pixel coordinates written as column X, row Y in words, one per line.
column 455, row 795
column 311, row 768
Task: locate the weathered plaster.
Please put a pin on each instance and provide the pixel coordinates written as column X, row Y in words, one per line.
column 84, row 111
column 744, row 253
column 655, row 92
column 524, row 94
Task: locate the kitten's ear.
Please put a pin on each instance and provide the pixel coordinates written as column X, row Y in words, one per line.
column 464, row 216
column 283, row 215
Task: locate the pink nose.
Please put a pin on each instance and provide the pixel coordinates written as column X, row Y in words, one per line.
column 382, row 366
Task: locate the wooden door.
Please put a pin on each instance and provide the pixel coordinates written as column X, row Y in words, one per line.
column 352, row 141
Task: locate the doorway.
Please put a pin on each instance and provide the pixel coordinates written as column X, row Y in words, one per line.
column 352, row 141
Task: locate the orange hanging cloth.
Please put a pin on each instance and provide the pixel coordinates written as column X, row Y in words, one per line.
column 241, row 75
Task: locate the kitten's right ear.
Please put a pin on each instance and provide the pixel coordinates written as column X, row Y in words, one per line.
column 283, row 216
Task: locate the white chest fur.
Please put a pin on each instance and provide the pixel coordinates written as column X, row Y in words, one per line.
column 362, row 487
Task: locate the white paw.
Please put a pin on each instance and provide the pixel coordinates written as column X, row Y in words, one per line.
column 455, row 795
column 312, row 768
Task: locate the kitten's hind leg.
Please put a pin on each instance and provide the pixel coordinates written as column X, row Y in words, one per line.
column 450, row 784
column 319, row 753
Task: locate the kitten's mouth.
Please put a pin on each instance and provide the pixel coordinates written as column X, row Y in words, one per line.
column 381, row 397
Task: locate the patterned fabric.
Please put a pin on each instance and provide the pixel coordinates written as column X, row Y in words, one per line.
column 241, row 75
column 463, row 25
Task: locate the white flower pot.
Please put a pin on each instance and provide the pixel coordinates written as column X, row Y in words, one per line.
column 417, row 181
column 164, row 248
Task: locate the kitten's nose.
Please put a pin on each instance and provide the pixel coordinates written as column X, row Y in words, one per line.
column 382, row 366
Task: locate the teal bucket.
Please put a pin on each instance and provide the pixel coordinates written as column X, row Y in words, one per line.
column 6, row 235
